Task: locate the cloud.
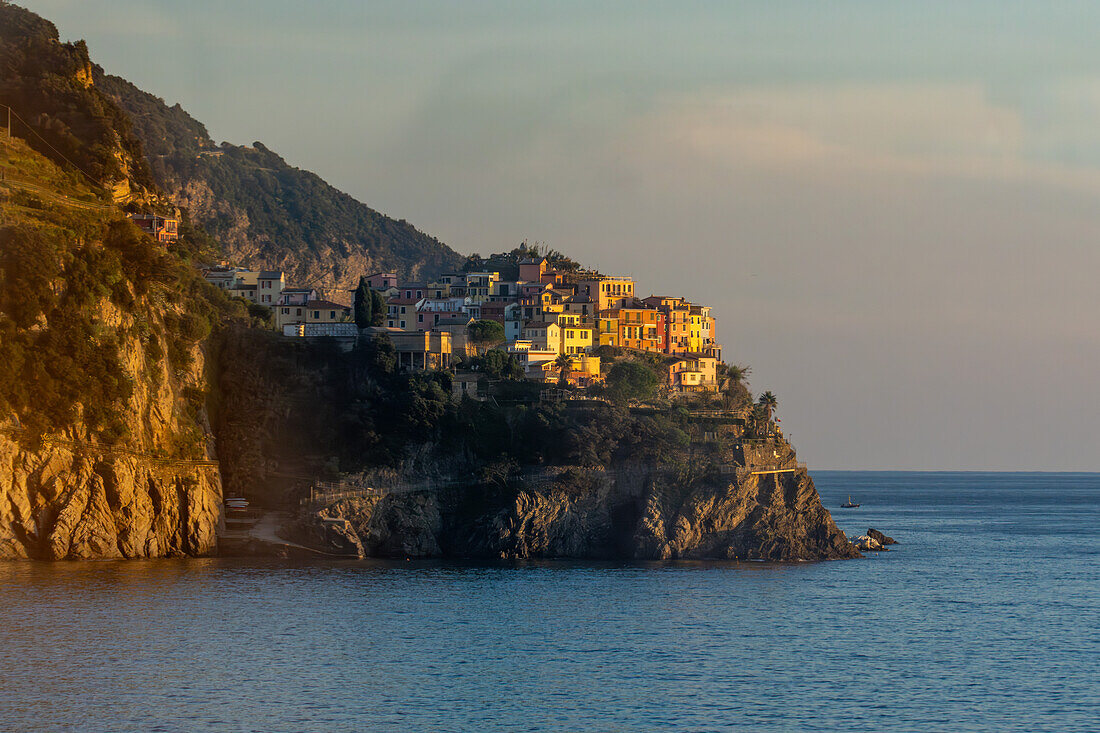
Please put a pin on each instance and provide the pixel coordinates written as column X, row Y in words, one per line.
column 935, row 128
column 1042, row 136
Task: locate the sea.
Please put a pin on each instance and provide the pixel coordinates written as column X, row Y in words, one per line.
column 986, row 617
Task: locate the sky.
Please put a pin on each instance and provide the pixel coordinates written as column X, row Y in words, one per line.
column 893, row 207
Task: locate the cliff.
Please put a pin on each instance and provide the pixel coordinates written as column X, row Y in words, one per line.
column 635, row 512
column 105, row 448
column 71, row 493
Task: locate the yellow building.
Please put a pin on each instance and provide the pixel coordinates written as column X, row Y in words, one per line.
column 543, row 335
column 575, row 339
column 605, row 291
column 607, row 329
column 580, row 306
column 695, row 335
column 325, row 311
column 584, row 370
column 694, row 374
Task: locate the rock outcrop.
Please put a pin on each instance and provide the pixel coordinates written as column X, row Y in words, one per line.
column 62, row 502
column 880, row 537
column 629, row 513
column 868, row 544
column 70, row 496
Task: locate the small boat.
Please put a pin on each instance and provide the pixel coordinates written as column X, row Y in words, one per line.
column 848, row 504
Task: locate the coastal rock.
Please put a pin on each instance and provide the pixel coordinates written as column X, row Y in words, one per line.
column 880, row 537
column 622, row 513
column 868, row 544
column 61, row 505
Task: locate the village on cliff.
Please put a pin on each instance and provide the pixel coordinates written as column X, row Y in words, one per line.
column 555, row 320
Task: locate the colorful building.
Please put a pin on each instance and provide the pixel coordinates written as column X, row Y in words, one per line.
column 164, row 229
column 584, row 370
column 694, row 374
column 382, row 280
column 401, row 313
column 606, row 291
column 641, row 328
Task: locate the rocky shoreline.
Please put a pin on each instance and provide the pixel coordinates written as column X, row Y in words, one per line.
column 637, row 513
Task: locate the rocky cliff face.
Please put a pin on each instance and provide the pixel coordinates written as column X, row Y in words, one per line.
column 631, row 512
column 70, row 495
column 105, row 448
column 64, row 502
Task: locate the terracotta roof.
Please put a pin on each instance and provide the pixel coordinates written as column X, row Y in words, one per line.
column 326, row 304
column 540, row 324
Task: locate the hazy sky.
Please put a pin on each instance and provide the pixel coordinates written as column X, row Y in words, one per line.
column 893, row 207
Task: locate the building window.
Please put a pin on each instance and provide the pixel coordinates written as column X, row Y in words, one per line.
column 286, row 311
column 332, row 315
column 317, row 315
column 297, row 311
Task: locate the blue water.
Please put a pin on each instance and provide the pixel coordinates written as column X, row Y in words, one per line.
column 987, row 617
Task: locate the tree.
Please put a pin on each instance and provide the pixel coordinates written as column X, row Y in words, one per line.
column 630, row 380
column 769, row 402
column 563, row 363
column 735, row 392
column 496, row 364
column 378, row 308
column 486, row 333
column 364, row 305
column 738, row 372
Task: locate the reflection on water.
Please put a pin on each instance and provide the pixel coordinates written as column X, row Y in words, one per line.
column 986, row 617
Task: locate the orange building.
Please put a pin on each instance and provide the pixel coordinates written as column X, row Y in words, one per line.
column 641, row 328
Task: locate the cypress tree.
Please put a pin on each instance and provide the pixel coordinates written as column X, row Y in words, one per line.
column 378, row 308
column 364, row 315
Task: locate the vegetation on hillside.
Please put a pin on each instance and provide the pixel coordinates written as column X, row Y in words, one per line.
column 65, row 269
column 264, row 209
column 48, row 85
column 357, row 406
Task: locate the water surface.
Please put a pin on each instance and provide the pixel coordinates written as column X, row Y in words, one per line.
column 987, row 617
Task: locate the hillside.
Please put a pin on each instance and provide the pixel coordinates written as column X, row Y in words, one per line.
column 105, row 446
column 105, row 449
column 268, row 213
column 131, row 388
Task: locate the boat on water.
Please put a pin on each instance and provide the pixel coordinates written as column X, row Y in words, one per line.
column 848, row 504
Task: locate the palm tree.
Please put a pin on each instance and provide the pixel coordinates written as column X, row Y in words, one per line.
column 563, row 363
column 735, row 393
column 737, row 372
column 769, row 402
